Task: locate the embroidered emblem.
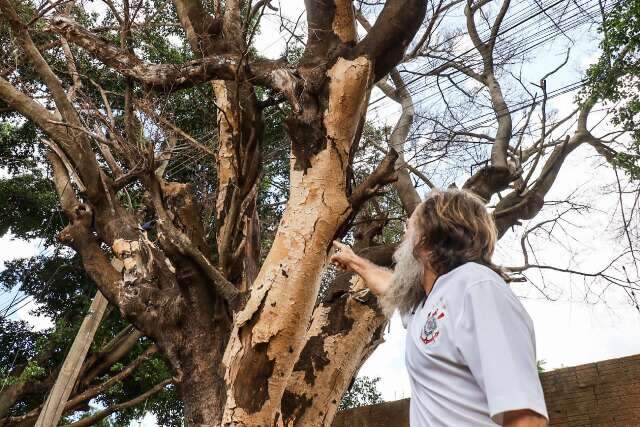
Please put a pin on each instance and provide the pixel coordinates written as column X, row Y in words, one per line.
column 430, row 329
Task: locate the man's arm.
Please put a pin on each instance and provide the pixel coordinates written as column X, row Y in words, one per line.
column 376, row 278
column 524, row 418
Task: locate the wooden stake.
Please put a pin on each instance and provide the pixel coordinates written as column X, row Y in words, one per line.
column 53, row 407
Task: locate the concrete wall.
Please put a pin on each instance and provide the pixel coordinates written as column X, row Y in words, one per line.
column 604, row 393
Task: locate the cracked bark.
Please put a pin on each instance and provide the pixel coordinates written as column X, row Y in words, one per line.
column 347, row 327
column 269, row 331
column 238, row 165
column 344, row 331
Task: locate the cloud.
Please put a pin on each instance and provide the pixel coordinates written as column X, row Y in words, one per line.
column 10, row 249
column 38, row 322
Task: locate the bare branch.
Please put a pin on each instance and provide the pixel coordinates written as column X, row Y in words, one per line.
column 172, row 128
column 184, row 244
column 91, row 420
column 383, row 174
column 170, row 77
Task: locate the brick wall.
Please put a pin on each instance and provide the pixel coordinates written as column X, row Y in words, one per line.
column 604, row 393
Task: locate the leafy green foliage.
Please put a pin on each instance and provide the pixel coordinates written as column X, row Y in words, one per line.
column 615, row 78
column 17, row 147
column 54, row 282
column 28, row 203
column 166, row 405
column 55, row 278
column 363, row 391
column 540, row 365
column 17, row 344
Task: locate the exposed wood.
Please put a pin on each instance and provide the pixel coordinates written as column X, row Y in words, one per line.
column 55, row 403
column 345, row 328
column 269, row 332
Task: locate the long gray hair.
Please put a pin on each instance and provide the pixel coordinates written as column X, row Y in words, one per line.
column 453, row 227
column 405, row 291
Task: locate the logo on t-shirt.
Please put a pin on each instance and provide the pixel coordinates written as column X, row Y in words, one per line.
column 430, row 329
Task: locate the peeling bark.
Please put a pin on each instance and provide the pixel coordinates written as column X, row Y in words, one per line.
column 239, row 166
column 344, row 331
column 271, row 326
column 342, row 336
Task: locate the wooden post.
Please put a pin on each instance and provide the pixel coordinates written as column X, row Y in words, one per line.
column 53, row 407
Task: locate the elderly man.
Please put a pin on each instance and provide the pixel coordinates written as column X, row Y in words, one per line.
column 470, row 348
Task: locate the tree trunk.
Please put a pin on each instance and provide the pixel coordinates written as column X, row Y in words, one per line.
column 169, row 287
column 269, row 332
column 345, row 329
column 202, row 387
column 199, row 347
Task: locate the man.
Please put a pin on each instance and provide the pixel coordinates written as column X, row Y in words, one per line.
column 470, row 349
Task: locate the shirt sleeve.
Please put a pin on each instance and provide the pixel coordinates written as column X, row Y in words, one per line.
column 495, row 337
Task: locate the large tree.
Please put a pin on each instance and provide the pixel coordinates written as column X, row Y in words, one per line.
column 203, row 183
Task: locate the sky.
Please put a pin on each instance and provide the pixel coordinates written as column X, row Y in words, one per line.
column 574, row 328
column 577, row 321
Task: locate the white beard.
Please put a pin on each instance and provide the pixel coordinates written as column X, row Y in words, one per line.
column 406, row 290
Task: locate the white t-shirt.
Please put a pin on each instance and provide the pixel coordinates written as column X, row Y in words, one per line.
column 470, row 352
